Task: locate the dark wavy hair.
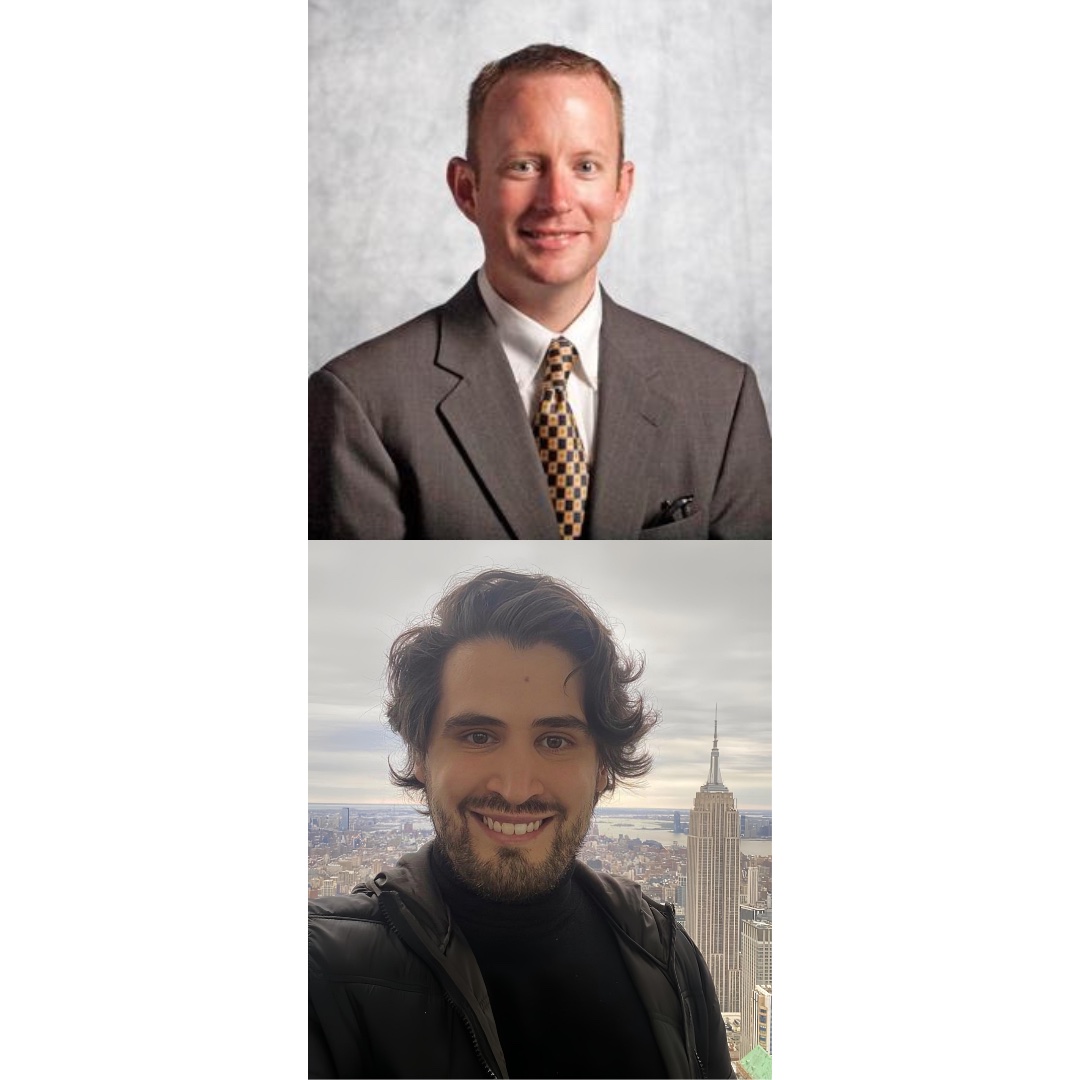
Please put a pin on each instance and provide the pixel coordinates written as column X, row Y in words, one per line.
column 525, row 610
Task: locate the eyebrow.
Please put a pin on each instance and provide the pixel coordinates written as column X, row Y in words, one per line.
column 513, row 153
column 462, row 721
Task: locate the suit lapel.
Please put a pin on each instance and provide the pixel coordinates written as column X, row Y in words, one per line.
column 633, row 410
column 484, row 413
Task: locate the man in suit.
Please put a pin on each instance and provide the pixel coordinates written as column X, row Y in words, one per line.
column 530, row 405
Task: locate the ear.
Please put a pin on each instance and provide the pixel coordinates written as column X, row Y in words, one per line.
column 420, row 772
column 622, row 192
column 461, row 179
column 601, row 780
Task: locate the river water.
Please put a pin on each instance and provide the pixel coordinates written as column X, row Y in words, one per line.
column 651, row 830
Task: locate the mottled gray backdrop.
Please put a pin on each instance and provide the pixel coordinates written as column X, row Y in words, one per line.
column 387, row 111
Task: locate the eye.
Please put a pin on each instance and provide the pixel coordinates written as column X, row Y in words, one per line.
column 588, row 167
column 477, row 738
column 555, row 742
column 520, row 167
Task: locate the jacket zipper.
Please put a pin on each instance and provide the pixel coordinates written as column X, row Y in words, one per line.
column 671, row 973
column 674, row 974
column 458, row 1007
column 472, row 1035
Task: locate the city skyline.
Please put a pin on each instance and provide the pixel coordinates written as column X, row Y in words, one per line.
column 705, row 648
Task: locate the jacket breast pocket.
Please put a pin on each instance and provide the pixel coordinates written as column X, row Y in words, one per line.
column 694, row 527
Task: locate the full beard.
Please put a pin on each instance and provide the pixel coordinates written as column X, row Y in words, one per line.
column 508, row 875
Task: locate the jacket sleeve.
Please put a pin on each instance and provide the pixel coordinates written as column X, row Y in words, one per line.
column 709, row 1030
column 742, row 500
column 353, row 485
column 320, row 1061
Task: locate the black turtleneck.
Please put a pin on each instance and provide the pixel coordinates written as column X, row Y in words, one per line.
column 563, row 1001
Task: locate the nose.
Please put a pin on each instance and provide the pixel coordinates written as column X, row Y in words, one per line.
column 515, row 777
column 553, row 194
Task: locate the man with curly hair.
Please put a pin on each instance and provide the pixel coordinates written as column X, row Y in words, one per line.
column 492, row 951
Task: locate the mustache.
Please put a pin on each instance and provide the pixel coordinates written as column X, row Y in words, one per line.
column 493, row 804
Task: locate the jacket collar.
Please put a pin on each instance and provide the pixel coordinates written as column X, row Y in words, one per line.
column 637, row 917
column 413, row 878
column 410, row 899
column 634, row 408
column 483, row 410
column 628, row 908
column 623, row 901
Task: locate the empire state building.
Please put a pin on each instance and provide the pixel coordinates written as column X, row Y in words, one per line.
column 712, row 882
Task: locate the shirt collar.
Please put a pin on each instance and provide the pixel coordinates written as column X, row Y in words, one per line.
column 525, row 341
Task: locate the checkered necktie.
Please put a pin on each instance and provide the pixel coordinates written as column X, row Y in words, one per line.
column 562, row 453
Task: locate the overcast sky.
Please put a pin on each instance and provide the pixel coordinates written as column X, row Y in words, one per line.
column 699, row 611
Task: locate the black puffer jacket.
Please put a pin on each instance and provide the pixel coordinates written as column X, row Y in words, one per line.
column 395, row 991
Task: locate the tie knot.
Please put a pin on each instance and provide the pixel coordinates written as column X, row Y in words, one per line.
column 559, row 360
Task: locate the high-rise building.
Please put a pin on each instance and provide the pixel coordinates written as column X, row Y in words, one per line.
column 713, row 881
column 344, row 819
column 751, row 884
column 763, row 1008
column 759, row 912
column 755, row 970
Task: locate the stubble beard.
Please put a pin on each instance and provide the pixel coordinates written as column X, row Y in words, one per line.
column 508, row 875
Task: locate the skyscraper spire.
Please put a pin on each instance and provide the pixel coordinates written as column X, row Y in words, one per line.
column 713, row 879
column 714, row 783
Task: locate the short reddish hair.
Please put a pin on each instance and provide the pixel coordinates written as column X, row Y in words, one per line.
column 532, row 60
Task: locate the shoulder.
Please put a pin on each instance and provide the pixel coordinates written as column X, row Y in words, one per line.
column 348, row 934
column 359, row 905
column 342, row 932
column 397, row 353
column 630, row 329
column 621, row 898
column 609, row 890
column 327, row 911
column 383, row 356
column 410, row 878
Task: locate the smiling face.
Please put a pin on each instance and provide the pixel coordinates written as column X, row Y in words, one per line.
column 511, row 773
column 545, row 190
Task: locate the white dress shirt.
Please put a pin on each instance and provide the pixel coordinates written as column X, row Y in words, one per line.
column 526, row 343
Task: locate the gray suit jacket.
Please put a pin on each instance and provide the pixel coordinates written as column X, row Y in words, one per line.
column 420, row 435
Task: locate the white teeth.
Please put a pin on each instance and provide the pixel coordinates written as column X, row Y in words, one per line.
column 508, row 828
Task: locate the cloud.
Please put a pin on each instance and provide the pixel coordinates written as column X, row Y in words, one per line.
column 700, row 612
